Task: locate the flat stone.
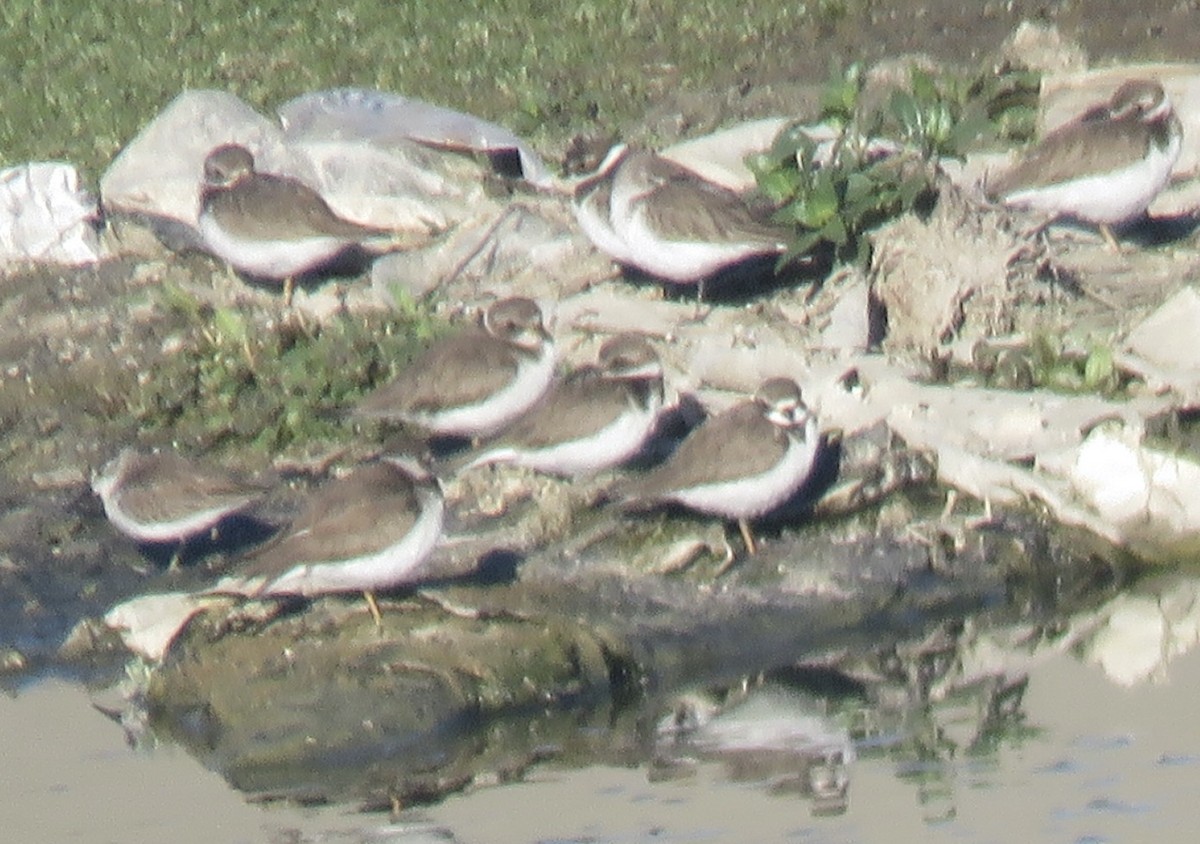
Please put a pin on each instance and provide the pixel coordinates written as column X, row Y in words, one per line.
column 158, row 173
column 385, row 118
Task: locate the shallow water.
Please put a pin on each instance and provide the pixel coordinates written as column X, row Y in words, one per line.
column 1093, row 761
column 1109, row 764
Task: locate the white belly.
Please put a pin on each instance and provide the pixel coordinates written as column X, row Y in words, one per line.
column 608, row 447
column 278, row 259
column 749, row 498
column 494, row 413
column 389, row 567
column 1110, row 199
column 166, row 531
column 680, row 261
column 594, row 220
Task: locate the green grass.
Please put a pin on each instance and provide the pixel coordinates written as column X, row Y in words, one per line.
column 83, row 78
column 232, row 382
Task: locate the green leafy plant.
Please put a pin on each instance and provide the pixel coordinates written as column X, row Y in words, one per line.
column 881, row 161
column 1007, row 98
column 927, row 118
column 1044, row 363
column 1071, row 372
column 834, row 192
column 944, row 116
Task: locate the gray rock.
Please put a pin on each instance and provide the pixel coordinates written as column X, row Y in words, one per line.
column 528, row 248
column 158, row 173
column 401, row 185
column 385, row 119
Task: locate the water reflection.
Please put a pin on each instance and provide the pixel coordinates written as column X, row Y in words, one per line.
column 1136, row 635
column 943, row 712
column 1132, row 638
column 1063, row 729
column 975, row 718
column 771, row 734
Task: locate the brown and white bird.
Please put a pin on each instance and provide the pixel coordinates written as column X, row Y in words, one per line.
column 593, row 208
column 597, row 418
column 475, row 382
column 1104, row 167
column 370, row 530
column 163, row 497
column 741, row 464
column 275, row 227
column 647, row 212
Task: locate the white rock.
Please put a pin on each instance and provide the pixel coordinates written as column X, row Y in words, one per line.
column 1150, row 497
column 1131, row 644
column 849, row 321
column 384, row 118
column 148, row 624
column 45, row 217
column 403, row 186
column 502, row 250
column 158, row 173
column 1162, row 348
column 1041, row 47
column 998, row 424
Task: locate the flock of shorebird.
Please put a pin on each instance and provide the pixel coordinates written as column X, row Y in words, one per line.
column 493, row 382
column 496, row 383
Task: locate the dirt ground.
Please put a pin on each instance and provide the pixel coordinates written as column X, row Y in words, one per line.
column 1108, row 30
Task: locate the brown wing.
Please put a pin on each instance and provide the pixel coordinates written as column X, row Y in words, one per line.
column 581, row 405
column 371, row 508
column 166, row 487
column 738, row 443
column 455, row 371
column 275, row 207
column 687, row 207
column 1099, row 145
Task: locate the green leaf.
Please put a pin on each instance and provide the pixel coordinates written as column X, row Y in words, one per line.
column 791, row 143
column 231, row 325
column 835, row 232
column 801, row 247
column 911, row 189
column 967, row 133
column 939, row 126
column 859, row 191
column 177, row 300
column 759, row 163
column 778, row 186
column 903, row 108
column 839, row 99
column 1046, row 351
column 821, row 204
column 922, row 85
column 1100, row 370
